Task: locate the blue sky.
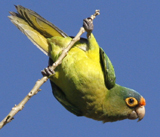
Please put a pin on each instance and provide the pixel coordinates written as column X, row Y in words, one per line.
column 128, row 31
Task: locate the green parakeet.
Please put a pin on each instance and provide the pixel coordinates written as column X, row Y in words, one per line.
column 85, row 81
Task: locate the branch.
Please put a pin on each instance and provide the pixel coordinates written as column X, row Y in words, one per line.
column 40, row 82
column 20, row 106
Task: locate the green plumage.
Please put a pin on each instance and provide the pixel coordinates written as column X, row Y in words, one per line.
column 85, row 81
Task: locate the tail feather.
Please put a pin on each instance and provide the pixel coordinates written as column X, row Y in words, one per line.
column 39, row 40
column 35, row 27
column 45, row 27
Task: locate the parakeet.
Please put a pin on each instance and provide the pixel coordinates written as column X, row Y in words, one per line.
column 84, row 83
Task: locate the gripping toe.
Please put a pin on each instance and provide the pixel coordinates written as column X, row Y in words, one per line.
column 47, row 71
column 88, row 25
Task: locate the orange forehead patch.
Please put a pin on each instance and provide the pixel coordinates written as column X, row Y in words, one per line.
column 142, row 102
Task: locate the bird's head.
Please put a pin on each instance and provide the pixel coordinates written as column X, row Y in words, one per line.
column 122, row 103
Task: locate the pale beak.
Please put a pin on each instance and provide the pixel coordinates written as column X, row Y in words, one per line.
column 139, row 113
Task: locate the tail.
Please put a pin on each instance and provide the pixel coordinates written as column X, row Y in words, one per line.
column 35, row 27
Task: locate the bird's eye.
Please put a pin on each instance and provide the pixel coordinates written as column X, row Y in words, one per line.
column 131, row 102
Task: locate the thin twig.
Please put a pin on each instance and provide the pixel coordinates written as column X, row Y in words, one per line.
column 20, row 106
column 40, row 82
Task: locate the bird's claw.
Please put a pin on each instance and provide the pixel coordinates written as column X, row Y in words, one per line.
column 47, row 71
column 88, row 25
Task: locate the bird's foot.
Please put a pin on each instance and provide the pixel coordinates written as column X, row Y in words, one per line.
column 47, row 71
column 88, row 25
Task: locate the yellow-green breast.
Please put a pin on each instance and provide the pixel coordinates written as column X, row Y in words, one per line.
column 81, row 78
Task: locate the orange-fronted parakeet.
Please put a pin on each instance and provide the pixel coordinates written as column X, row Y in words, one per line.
column 85, row 81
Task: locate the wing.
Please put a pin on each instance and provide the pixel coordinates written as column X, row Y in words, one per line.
column 61, row 97
column 108, row 70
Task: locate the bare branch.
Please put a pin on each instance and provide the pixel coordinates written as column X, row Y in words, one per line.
column 40, row 82
column 97, row 12
column 20, row 106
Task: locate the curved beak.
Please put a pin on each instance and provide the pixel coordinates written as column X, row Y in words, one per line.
column 139, row 112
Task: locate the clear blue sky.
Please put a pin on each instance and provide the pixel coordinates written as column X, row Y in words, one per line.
column 128, row 31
